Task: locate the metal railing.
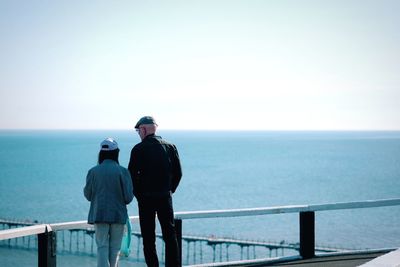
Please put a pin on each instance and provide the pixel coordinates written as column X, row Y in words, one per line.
column 47, row 232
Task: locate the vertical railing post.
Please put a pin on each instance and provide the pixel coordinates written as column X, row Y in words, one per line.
column 178, row 229
column 307, row 234
column 47, row 249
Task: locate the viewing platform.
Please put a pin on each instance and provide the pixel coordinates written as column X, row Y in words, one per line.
column 77, row 237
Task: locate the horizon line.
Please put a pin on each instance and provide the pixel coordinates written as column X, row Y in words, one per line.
column 205, row 130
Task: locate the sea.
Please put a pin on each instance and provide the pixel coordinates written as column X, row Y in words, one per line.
column 43, row 172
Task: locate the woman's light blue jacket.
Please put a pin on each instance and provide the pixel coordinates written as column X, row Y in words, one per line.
column 109, row 189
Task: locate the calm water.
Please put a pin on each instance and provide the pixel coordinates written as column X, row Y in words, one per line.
column 42, row 174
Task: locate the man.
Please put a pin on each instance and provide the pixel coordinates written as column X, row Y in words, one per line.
column 156, row 172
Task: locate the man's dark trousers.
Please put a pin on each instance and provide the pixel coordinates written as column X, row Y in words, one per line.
column 149, row 206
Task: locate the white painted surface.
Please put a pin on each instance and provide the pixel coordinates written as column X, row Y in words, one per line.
column 391, row 259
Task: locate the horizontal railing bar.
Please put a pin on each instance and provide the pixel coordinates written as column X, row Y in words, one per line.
column 71, row 225
column 285, row 209
column 24, row 231
column 186, row 215
column 356, row 204
column 238, row 212
column 81, row 224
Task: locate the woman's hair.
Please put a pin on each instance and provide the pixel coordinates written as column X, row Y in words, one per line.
column 111, row 154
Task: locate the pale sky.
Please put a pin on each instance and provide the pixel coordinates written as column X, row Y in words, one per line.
column 248, row 65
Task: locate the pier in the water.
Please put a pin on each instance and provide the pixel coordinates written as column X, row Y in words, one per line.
column 197, row 249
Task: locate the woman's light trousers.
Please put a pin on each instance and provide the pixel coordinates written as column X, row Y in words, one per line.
column 108, row 240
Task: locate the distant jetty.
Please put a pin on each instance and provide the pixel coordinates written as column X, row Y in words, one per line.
column 198, row 249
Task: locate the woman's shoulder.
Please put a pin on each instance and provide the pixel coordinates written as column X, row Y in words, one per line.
column 122, row 168
column 95, row 169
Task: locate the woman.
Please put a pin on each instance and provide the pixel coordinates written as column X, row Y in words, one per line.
column 109, row 189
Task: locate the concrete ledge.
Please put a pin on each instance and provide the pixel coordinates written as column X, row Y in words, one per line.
column 391, row 259
column 249, row 263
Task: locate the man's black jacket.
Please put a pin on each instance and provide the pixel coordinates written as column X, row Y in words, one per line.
column 155, row 167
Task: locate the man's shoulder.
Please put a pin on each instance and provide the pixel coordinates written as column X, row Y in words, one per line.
column 166, row 143
column 163, row 141
column 138, row 145
column 155, row 139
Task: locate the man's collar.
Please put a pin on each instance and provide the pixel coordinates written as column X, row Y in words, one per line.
column 150, row 135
